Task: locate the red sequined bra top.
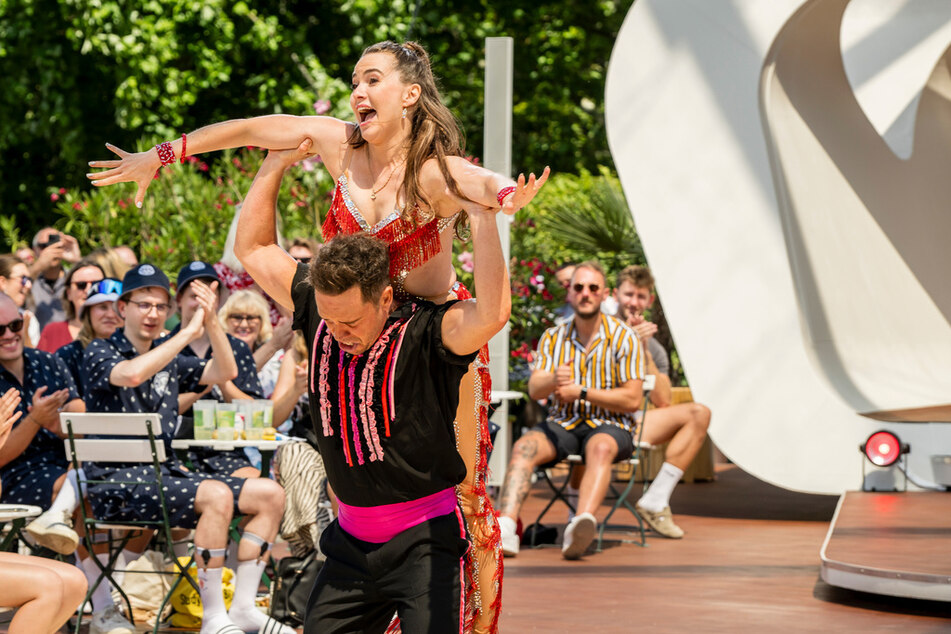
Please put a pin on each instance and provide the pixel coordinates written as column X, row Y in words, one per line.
column 410, row 245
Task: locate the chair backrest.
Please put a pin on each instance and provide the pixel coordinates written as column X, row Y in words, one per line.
column 136, row 447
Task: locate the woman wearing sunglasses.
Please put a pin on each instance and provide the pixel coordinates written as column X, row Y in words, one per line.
column 59, row 333
column 16, row 283
column 98, row 319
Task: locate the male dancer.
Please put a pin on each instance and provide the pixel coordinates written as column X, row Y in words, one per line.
column 384, row 388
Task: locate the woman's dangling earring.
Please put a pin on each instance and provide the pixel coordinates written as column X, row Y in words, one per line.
column 404, row 113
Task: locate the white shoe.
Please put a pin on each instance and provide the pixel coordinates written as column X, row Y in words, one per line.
column 510, row 541
column 54, row 530
column 578, row 536
column 109, row 621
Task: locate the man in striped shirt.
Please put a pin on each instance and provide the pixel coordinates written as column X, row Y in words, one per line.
column 590, row 368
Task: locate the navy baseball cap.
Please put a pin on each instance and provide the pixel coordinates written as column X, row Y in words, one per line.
column 144, row 276
column 193, row 271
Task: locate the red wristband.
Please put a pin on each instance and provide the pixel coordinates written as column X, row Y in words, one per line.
column 165, row 153
column 182, row 160
column 505, row 191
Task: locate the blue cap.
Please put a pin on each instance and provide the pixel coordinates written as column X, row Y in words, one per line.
column 193, row 271
column 144, row 276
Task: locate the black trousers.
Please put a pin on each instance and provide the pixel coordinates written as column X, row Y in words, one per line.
column 417, row 575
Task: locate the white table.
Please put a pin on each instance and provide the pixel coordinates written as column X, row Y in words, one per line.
column 266, row 447
column 499, row 461
column 17, row 514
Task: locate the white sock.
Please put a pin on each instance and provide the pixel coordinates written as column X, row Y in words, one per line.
column 214, row 615
column 67, row 500
column 657, row 496
column 102, row 597
column 508, row 525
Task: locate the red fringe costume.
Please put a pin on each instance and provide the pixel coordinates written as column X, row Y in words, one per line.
column 410, row 245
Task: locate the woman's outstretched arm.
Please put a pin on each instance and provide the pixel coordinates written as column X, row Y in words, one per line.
column 273, row 132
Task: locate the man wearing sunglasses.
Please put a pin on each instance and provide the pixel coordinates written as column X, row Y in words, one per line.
column 590, row 368
column 33, row 464
column 132, row 372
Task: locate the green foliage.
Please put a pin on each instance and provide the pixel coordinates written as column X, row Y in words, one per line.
column 78, row 73
column 189, row 209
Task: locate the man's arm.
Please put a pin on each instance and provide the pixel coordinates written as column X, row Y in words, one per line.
column 222, row 366
column 134, row 372
column 255, row 243
column 467, row 326
column 625, row 399
column 541, row 384
column 660, row 395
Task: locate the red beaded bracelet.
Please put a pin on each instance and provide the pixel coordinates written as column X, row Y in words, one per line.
column 165, row 153
column 182, row 160
column 505, row 191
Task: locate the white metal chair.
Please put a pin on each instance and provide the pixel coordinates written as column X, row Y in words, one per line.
column 137, row 442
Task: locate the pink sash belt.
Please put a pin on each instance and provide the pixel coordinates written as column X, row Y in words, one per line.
column 379, row 524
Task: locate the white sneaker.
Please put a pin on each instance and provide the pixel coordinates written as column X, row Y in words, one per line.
column 578, row 536
column 109, row 621
column 54, row 530
column 510, row 541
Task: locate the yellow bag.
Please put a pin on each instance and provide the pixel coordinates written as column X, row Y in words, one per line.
column 186, row 601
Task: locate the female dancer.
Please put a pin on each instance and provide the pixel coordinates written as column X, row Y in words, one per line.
column 396, row 170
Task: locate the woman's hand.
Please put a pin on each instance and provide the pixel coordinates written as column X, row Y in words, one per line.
column 9, row 413
column 524, row 192
column 138, row 167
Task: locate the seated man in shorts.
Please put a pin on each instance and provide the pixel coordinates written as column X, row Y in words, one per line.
column 130, row 372
column 590, row 368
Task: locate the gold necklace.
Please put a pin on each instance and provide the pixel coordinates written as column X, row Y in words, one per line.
column 375, row 191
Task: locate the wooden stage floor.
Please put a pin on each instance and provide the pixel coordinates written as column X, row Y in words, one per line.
column 748, row 563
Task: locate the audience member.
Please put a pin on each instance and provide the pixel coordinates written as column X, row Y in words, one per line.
column 52, row 248
column 245, row 386
column 98, row 319
column 684, row 425
column 44, row 591
column 33, row 462
column 302, row 249
column 57, row 334
column 634, row 295
column 563, row 274
column 110, row 261
column 26, row 254
column 245, row 316
column 127, row 255
column 591, row 369
column 129, row 372
column 15, row 283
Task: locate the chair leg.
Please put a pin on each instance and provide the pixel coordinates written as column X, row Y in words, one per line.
column 618, row 503
column 558, row 494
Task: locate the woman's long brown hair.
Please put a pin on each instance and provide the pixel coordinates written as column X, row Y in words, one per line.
column 434, row 133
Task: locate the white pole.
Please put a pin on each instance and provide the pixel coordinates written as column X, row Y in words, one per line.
column 497, row 156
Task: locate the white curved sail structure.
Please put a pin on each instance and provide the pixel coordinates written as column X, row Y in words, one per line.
column 794, row 319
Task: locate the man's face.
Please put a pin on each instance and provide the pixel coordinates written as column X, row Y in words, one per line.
column 586, row 292
column 633, row 301
column 353, row 322
column 11, row 343
column 188, row 302
column 144, row 311
column 564, row 276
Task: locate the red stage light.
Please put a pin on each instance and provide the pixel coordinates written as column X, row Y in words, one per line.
column 883, row 448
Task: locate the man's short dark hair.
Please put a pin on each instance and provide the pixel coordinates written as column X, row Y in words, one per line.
column 348, row 261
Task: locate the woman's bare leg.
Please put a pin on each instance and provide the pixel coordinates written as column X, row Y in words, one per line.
column 485, row 556
column 46, row 592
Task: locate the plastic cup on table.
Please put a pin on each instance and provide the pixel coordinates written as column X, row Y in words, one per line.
column 224, row 418
column 205, row 422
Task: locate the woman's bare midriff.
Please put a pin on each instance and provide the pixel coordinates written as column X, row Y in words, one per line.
column 434, row 279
